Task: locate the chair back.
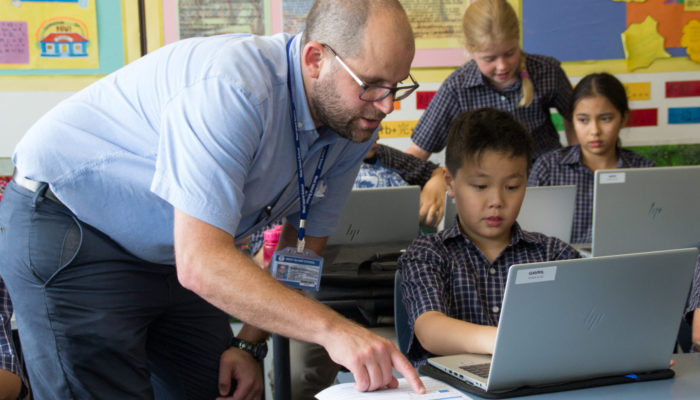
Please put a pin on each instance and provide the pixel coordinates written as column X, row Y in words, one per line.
column 403, row 334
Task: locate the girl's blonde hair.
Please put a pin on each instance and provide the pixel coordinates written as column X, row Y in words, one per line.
column 490, row 22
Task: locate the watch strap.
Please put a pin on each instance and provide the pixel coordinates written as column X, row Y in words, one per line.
column 257, row 350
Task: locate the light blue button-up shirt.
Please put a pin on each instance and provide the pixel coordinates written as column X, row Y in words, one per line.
column 202, row 125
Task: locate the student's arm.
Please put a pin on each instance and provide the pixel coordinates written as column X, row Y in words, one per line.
column 416, row 151
column 209, row 264
column 412, row 169
column 442, row 335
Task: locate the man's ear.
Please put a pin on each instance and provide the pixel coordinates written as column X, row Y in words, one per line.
column 312, row 59
column 449, row 181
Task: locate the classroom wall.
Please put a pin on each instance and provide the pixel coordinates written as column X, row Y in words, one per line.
column 20, row 108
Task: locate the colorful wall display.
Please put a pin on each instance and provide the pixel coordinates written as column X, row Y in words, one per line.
column 49, row 34
column 66, row 37
column 640, row 32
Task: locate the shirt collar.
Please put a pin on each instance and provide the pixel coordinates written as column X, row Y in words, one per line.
column 304, row 119
column 473, row 75
column 572, row 155
column 474, row 78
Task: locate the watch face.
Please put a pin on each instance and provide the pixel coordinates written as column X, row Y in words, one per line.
column 257, row 350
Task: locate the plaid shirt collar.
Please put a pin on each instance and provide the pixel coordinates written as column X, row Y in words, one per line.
column 455, row 232
column 572, row 155
column 474, row 78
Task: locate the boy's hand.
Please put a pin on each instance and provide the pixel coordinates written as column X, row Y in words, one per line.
column 432, row 199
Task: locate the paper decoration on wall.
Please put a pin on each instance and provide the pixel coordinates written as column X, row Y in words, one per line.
column 638, row 91
column 671, row 17
column 423, row 99
column 215, row 17
column 63, row 37
column 48, row 34
column 643, row 117
column 691, row 39
column 80, row 3
column 643, row 44
column 692, row 5
column 684, row 115
column 683, row 89
column 14, row 43
column 397, row 129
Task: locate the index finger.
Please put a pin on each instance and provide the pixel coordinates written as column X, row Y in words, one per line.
column 405, row 368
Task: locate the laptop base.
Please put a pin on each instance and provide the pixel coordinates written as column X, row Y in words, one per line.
column 436, row 373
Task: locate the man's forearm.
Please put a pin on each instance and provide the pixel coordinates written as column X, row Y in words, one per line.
column 209, row 264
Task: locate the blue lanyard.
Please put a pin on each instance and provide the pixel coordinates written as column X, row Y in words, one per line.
column 304, row 196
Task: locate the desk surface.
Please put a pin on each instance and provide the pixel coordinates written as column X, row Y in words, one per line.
column 685, row 385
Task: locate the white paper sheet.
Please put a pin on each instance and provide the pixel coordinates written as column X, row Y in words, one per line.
column 435, row 390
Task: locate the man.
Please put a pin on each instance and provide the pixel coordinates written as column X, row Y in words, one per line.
column 165, row 163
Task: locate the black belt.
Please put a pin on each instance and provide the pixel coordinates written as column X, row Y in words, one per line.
column 33, row 186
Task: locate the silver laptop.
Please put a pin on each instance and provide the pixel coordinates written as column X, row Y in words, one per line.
column 645, row 209
column 579, row 319
column 545, row 209
column 375, row 221
column 376, row 215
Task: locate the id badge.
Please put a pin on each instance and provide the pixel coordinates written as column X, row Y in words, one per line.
column 297, row 270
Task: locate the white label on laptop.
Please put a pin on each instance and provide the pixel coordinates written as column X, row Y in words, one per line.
column 535, row 275
column 612, row 177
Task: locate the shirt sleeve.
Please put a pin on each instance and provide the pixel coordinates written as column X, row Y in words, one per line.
column 205, row 149
column 430, row 134
column 563, row 93
column 412, row 169
column 425, row 279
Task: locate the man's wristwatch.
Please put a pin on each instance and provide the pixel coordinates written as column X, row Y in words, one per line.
column 257, row 350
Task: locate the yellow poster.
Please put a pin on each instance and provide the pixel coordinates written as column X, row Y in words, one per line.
column 48, row 34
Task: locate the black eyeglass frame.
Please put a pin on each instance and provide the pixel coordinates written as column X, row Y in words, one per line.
column 365, row 86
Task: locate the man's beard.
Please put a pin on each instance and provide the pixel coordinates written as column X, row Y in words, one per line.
column 329, row 111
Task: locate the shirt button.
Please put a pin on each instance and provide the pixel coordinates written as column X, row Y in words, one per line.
column 300, row 125
column 503, row 98
column 492, row 270
column 495, row 309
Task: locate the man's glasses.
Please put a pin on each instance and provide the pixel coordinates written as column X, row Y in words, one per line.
column 372, row 93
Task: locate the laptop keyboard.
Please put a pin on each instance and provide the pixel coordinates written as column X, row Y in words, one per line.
column 481, row 370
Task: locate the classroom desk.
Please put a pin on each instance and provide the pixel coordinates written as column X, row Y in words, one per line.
column 684, row 386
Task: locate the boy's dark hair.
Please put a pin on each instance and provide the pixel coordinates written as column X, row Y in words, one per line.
column 602, row 84
column 476, row 131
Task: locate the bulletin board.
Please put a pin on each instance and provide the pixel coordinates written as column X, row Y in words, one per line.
column 72, row 42
column 614, row 35
column 437, row 23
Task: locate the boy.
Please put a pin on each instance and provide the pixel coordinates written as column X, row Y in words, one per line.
column 453, row 281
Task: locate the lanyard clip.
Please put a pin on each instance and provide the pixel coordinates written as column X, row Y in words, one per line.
column 300, row 245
